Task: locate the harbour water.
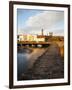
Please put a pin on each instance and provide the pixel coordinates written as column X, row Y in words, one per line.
column 25, row 59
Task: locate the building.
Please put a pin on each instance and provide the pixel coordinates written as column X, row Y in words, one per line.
column 40, row 38
column 50, row 33
column 30, row 37
column 36, row 38
column 26, row 37
column 20, row 37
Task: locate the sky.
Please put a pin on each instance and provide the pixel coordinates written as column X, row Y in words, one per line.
column 32, row 21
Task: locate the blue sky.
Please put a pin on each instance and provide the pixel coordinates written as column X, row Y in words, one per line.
column 31, row 21
column 23, row 15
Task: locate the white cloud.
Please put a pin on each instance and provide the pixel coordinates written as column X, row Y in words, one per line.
column 47, row 20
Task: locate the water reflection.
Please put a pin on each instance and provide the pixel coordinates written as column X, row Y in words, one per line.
column 25, row 59
column 22, row 62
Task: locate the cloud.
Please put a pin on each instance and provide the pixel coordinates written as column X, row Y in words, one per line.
column 46, row 20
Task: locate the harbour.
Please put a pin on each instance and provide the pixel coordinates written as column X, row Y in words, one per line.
column 41, row 63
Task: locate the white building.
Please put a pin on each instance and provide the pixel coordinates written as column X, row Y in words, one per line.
column 29, row 37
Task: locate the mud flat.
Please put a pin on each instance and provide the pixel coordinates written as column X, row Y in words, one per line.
column 32, row 57
column 32, row 54
column 26, row 58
